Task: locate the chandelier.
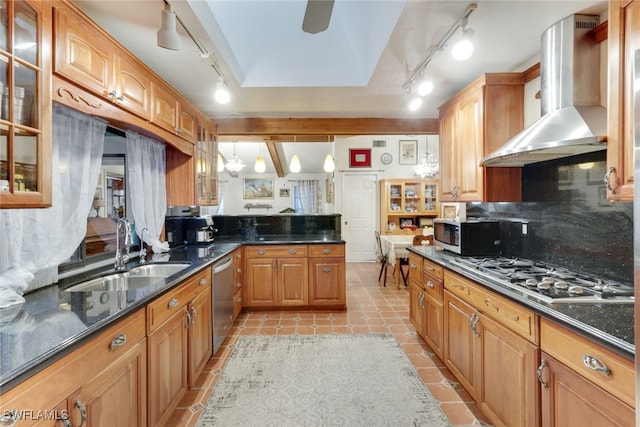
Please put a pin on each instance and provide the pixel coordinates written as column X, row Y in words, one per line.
column 428, row 166
column 234, row 164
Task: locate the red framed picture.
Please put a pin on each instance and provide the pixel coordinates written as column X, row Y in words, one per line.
column 360, row 157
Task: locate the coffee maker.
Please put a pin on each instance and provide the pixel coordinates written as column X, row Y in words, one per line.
column 184, row 225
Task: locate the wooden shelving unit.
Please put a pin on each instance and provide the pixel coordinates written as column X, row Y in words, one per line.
column 407, row 204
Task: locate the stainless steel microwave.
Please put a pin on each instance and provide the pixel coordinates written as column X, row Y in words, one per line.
column 472, row 237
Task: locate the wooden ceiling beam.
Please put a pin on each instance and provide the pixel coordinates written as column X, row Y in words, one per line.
column 276, row 138
column 275, row 151
column 331, row 126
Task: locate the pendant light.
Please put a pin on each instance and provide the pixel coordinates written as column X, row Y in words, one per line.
column 329, row 164
column 294, row 165
column 260, row 166
column 234, row 164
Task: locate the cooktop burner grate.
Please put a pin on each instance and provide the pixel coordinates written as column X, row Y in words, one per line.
column 547, row 283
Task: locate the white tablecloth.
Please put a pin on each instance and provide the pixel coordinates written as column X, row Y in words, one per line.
column 395, row 246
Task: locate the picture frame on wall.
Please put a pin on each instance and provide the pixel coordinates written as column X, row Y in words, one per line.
column 284, row 192
column 408, row 152
column 359, row 157
column 258, row 188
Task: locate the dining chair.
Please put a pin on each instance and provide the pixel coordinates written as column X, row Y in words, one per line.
column 382, row 258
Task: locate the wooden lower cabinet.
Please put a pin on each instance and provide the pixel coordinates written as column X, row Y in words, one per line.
column 238, row 282
column 510, row 394
column 462, row 344
column 179, row 342
column 570, row 400
column 327, row 282
column 295, row 276
column 116, row 396
column 103, row 382
column 426, row 309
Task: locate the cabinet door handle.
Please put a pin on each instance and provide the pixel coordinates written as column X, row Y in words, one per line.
column 326, row 269
column 612, row 176
column 118, row 341
column 293, row 251
column 186, row 326
column 326, row 251
column 238, row 270
column 238, row 285
column 83, row 412
column 203, row 281
column 543, row 365
column 595, row 364
column 260, row 252
column 473, row 324
column 239, row 300
column 65, row 420
column 173, row 303
column 195, row 315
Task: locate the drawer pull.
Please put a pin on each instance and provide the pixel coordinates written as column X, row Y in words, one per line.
column 293, row 251
column 173, row 303
column 238, row 270
column 239, row 299
column 260, row 252
column 596, row 365
column 490, row 304
column 326, row 269
column 428, row 267
column 543, row 365
column 203, row 281
column 430, row 284
column 412, row 265
column 326, row 251
column 238, row 285
column 118, row 341
column 463, row 288
column 83, row 412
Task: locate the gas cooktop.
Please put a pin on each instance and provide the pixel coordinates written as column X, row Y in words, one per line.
column 552, row 285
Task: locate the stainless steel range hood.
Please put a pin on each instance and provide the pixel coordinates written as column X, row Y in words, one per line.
column 573, row 121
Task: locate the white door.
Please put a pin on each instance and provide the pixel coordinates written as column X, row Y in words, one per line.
column 359, row 215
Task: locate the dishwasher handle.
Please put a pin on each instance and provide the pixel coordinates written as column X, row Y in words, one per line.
column 222, row 265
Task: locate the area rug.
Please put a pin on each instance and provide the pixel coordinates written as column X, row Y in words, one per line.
column 320, row 380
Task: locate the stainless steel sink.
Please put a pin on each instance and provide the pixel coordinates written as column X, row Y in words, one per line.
column 115, row 282
column 158, row 270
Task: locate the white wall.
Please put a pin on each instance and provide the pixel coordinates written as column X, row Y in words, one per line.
column 232, row 188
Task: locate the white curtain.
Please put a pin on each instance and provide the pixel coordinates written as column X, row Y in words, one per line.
column 37, row 240
column 309, row 193
column 146, row 176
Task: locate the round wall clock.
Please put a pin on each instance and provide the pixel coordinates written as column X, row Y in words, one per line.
column 386, row 158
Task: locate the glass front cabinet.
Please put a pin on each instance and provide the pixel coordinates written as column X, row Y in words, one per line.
column 407, row 204
column 206, row 164
column 25, row 104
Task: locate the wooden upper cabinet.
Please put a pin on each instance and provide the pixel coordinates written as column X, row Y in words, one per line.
column 87, row 57
column 131, row 86
column 623, row 41
column 474, row 123
column 172, row 114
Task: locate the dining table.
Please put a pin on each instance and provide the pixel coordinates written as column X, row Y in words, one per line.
column 394, row 246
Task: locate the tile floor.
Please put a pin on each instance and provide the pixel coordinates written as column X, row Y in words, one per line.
column 370, row 308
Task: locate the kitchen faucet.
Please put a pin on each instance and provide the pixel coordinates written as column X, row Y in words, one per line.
column 123, row 258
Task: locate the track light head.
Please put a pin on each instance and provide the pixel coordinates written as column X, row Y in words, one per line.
column 463, row 49
column 168, row 36
column 222, row 94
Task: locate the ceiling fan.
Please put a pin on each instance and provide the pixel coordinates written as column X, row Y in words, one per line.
column 317, row 16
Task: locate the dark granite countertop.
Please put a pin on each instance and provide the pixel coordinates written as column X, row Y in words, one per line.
column 53, row 322
column 610, row 325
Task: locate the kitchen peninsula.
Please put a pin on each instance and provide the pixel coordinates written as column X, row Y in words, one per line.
column 68, row 341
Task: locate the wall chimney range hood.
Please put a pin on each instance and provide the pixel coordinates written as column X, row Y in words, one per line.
column 573, row 121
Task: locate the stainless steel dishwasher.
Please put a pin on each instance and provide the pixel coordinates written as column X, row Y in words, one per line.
column 222, row 304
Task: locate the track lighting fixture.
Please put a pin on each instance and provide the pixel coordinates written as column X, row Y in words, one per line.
column 461, row 51
column 222, row 94
column 168, row 36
